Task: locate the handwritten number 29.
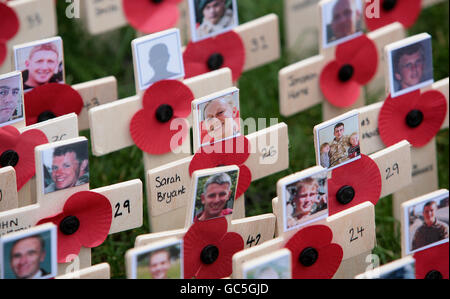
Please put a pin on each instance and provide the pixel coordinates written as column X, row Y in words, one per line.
column 126, row 206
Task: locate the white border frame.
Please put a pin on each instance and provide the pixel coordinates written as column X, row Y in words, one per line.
column 137, row 64
column 333, row 122
column 58, row 39
column 53, row 146
column 284, row 198
column 37, row 230
column 265, row 259
column 194, row 194
column 153, row 247
column 377, row 272
column 193, row 22
column 323, row 26
column 403, row 44
column 196, row 103
column 8, row 76
column 411, row 204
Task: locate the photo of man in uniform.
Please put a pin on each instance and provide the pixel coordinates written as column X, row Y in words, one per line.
column 214, row 16
column 69, row 168
column 339, row 146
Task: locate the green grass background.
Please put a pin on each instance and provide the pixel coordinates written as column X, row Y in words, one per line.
column 91, row 57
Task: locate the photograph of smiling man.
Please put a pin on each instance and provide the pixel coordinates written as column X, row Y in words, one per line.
column 40, row 62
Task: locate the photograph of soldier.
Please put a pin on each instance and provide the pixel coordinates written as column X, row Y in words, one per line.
column 338, row 142
column 427, row 223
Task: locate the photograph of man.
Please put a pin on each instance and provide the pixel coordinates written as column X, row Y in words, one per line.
column 412, row 66
column 345, row 20
column 307, row 197
column 431, row 229
column 214, row 17
column 217, row 196
column 69, row 167
column 43, row 65
column 159, row 264
column 339, row 146
column 10, row 99
column 158, row 59
column 220, row 120
column 26, row 257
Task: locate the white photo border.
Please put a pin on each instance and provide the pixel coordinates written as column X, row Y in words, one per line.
column 193, row 22
column 393, row 48
column 284, row 199
column 32, row 232
column 152, row 37
column 8, row 76
column 153, row 247
column 407, row 238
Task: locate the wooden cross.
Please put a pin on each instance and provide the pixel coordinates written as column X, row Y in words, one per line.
column 100, row 16
column 302, row 38
column 253, row 230
column 168, row 193
column 93, row 93
column 37, row 19
column 125, row 199
column 425, row 227
column 57, row 129
column 424, row 167
column 353, row 228
column 299, row 83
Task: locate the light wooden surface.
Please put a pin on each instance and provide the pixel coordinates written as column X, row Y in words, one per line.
column 261, row 38
column 100, row 16
column 37, row 19
column 95, row 93
column 110, row 122
column 173, row 179
column 8, row 189
column 100, row 271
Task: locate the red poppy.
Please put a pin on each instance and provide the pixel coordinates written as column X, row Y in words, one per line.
column 313, row 254
column 163, row 102
column 51, row 100
column 404, row 11
column 223, row 50
column 149, row 16
column 209, row 248
column 9, row 26
column 414, row 116
column 17, row 150
column 432, row 262
column 354, row 183
column 84, row 221
column 233, row 151
column 355, row 65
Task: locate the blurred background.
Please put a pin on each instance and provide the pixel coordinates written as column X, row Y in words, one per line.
column 90, row 57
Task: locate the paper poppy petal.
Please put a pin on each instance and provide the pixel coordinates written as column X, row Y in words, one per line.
column 9, row 23
column 94, row 212
column 23, row 144
column 149, row 17
column 330, row 255
column 362, row 54
column 222, row 267
column 363, row 175
column 199, row 235
column 170, row 92
column 229, row 45
column 338, row 93
column 435, row 258
column 406, row 12
column 68, row 246
column 58, row 98
column 392, row 118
